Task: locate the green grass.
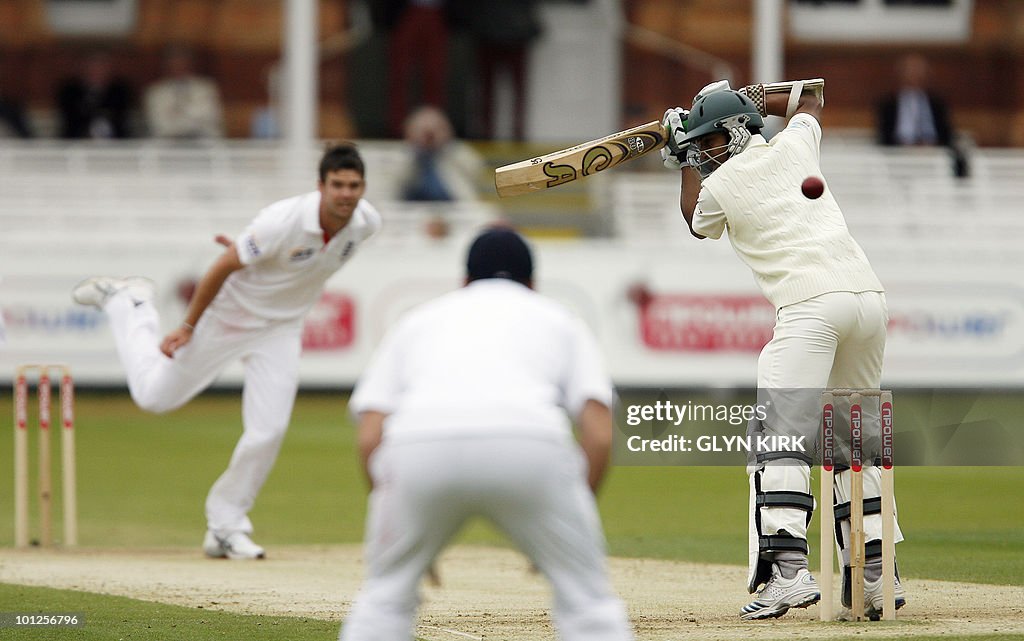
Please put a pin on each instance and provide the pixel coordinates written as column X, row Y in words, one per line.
column 964, row 524
column 143, row 480
column 110, row 617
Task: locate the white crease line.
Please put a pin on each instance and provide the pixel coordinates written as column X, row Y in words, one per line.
column 455, row 632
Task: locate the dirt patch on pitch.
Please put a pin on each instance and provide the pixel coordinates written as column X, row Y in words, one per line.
column 490, row 594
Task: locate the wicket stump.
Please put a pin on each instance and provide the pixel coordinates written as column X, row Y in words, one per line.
column 21, row 447
column 888, row 511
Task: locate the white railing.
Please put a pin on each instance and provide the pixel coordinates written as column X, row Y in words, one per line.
column 902, row 200
column 112, row 193
column 894, row 200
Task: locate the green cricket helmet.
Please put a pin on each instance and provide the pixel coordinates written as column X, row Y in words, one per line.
column 728, row 112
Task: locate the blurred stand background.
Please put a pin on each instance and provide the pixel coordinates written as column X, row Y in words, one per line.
column 669, row 311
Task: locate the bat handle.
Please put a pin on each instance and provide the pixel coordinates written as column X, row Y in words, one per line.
column 757, row 93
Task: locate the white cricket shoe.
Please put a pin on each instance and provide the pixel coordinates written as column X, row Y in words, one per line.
column 873, row 601
column 96, row 291
column 780, row 594
column 233, row 545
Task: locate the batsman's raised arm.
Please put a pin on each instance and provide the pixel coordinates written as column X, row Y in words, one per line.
column 807, row 103
column 720, row 124
column 786, row 99
column 688, row 192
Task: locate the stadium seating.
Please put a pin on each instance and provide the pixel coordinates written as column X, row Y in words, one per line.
column 900, row 201
column 90, row 196
column 113, row 194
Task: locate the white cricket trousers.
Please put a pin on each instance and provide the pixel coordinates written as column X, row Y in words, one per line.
column 835, row 340
column 532, row 489
column 160, row 384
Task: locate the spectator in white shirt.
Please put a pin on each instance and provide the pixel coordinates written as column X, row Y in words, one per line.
column 183, row 105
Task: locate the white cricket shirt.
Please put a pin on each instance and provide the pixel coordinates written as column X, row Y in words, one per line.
column 286, row 261
column 797, row 248
column 491, row 358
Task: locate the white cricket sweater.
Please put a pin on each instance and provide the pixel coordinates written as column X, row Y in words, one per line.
column 797, row 248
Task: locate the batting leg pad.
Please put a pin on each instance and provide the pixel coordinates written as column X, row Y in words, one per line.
column 872, row 479
column 872, row 522
column 780, row 510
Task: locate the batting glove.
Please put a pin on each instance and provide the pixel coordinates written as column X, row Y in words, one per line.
column 673, row 155
column 714, row 87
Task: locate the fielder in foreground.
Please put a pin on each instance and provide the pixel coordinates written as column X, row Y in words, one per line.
column 830, row 309
column 463, row 412
column 249, row 305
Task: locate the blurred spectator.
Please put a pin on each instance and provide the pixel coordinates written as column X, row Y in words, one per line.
column 437, row 228
column 3, row 328
column 503, row 31
column 95, row 103
column 265, row 123
column 13, row 121
column 420, row 32
column 183, row 105
column 916, row 115
column 437, row 167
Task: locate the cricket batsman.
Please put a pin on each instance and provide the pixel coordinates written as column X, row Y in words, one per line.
column 830, row 308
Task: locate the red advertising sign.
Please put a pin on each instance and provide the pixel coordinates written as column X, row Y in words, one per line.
column 688, row 323
column 331, row 323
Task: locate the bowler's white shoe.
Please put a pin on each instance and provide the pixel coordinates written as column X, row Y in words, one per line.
column 96, row 291
column 233, row 545
column 780, row 594
column 873, row 598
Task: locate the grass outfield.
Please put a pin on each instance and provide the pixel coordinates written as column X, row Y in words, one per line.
column 111, row 617
column 143, row 478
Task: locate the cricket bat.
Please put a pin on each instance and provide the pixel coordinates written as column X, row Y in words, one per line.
column 560, row 167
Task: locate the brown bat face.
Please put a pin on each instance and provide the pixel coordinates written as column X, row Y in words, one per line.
column 567, row 165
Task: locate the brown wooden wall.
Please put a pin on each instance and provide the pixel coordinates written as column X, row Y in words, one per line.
column 237, row 40
column 983, row 79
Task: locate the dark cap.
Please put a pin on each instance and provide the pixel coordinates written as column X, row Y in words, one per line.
column 500, row 253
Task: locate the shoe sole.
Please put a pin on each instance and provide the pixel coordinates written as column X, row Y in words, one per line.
column 775, row 613
column 224, row 554
column 876, row 615
column 218, row 549
column 88, row 282
column 130, row 281
column 245, row 557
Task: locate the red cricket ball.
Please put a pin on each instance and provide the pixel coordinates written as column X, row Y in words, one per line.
column 813, row 187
